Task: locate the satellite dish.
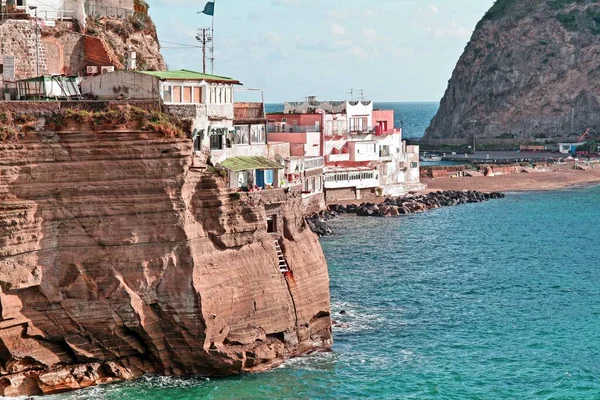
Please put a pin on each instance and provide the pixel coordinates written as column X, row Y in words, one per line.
column 279, row 159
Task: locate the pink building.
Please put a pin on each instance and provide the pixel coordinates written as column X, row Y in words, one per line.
column 301, row 131
column 364, row 153
column 383, row 122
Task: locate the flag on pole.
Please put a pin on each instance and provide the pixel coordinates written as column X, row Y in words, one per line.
column 209, row 8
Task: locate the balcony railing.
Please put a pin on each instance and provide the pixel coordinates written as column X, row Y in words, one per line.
column 248, row 111
column 279, row 128
column 96, row 11
column 313, row 163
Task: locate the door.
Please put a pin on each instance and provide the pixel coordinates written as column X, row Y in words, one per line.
column 269, row 177
column 260, row 178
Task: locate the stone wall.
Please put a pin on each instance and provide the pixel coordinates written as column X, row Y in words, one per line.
column 332, row 195
column 18, row 38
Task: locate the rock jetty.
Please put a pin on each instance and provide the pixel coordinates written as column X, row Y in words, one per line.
column 411, row 204
column 398, row 206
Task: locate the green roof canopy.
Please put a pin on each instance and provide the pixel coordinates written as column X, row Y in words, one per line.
column 184, row 74
column 249, row 163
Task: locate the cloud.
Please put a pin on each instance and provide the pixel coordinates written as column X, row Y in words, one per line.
column 273, row 37
column 285, row 3
column 337, row 29
column 339, row 14
column 452, row 31
column 343, row 14
column 358, row 52
column 344, row 43
column 433, row 8
column 370, row 34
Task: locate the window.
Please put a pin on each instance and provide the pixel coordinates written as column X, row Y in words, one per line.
column 197, row 95
column 216, row 139
column 257, row 135
column 242, row 134
column 168, row 94
column 187, row 94
column 261, row 134
column 414, row 164
column 176, row 94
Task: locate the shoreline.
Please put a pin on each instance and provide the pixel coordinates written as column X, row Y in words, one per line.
column 522, row 182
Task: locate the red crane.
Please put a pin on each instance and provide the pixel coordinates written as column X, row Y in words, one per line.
column 586, row 133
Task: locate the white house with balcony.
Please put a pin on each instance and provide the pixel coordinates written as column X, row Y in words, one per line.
column 358, row 115
column 206, row 99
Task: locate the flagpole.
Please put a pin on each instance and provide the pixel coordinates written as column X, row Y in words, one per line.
column 212, row 48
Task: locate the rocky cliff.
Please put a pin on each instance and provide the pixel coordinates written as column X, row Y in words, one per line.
column 68, row 47
column 121, row 255
column 530, row 70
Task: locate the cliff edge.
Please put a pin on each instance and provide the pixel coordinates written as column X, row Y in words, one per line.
column 122, row 255
column 530, row 70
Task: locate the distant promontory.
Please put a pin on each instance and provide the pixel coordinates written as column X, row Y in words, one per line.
column 530, row 71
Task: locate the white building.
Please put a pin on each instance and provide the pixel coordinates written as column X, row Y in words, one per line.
column 206, row 99
column 57, row 10
column 358, row 114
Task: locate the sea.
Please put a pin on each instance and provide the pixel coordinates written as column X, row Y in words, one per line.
column 496, row 300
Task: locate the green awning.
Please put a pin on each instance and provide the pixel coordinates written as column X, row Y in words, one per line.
column 250, row 163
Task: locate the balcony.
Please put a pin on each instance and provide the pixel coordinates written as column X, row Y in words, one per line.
column 360, row 179
column 286, row 128
column 313, row 163
column 369, row 130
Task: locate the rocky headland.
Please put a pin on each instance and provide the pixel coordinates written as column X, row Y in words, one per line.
column 121, row 255
column 530, row 71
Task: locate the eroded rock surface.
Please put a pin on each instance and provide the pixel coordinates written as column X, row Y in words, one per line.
column 121, row 256
column 530, row 70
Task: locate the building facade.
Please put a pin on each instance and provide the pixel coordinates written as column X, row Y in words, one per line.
column 364, row 153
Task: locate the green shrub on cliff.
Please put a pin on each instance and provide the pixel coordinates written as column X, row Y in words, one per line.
column 123, row 116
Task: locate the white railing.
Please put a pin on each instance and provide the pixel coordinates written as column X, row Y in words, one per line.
column 93, row 10
column 313, row 163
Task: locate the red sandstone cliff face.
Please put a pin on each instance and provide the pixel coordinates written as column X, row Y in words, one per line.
column 118, row 258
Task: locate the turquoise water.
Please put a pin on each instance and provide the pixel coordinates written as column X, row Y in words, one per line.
column 498, row 300
column 414, row 118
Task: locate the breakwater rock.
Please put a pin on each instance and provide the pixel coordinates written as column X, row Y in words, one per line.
column 397, row 206
column 411, row 204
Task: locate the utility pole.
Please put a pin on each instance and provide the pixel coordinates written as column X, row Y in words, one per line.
column 204, row 37
column 37, row 47
column 473, row 123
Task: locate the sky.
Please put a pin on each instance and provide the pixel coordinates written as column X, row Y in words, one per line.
column 394, row 50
